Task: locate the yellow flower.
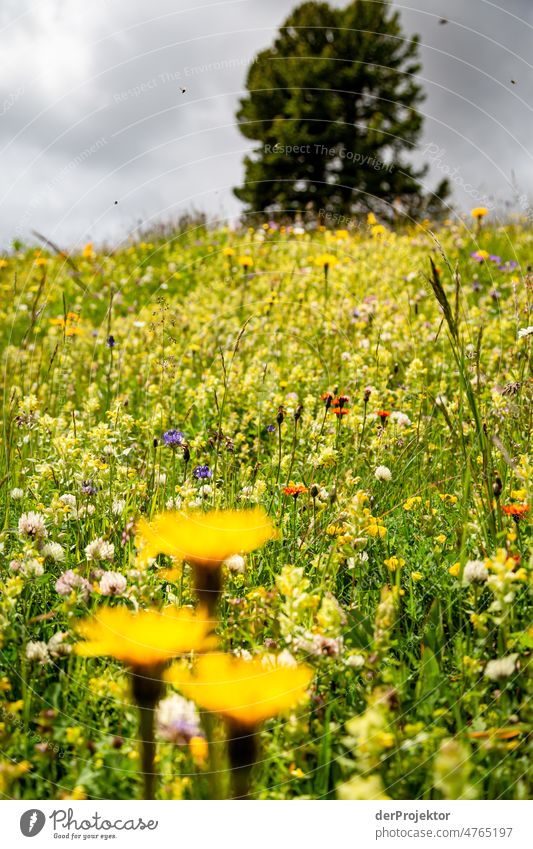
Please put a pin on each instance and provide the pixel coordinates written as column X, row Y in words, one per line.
column 441, row 539
column 147, row 638
column 88, row 251
column 479, row 212
column 412, row 502
column 394, row 563
column 326, row 260
column 206, row 539
column 245, row 260
column 378, row 230
column 368, row 789
column 74, row 735
column 78, row 794
column 455, row 569
column 296, row 771
column 198, row 748
column 371, row 219
column 376, row 528
column 384, row 739
column 416, row 576
column 244, row 691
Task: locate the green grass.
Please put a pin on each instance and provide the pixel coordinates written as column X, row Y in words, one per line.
column 401, row 704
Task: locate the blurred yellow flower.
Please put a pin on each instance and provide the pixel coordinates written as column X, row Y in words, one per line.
column 198, row 747
column 367, row 789
column 206, row 539
column 147, row 638
column 244, row 691
column 479, row 212
column 326, row 260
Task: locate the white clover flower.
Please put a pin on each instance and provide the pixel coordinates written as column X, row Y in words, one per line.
column 68, row 500
column 17, row 493
column 356, row 661
column 32, row 568
column 118, row 506
column 284, row 658
column 475, row 571
column 400, row 419
column 501, row 668
column 70, row 582
column 177, row 720
column 99, row 549
column 319, row 646
column 235, row 563
column 244, row 654
column 112, row 583
column 57, row 646
column 37, row 652
column 383, row 473
column 53, row 551
column 32, row 525
column 525, row 331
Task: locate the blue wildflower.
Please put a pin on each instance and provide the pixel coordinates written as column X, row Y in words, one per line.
column 202, row 472
column 173, row 437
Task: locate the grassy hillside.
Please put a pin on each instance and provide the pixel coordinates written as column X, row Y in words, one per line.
column 377, row 409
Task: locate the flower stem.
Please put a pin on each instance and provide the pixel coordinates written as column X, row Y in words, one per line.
column 147, row 687
column 242, row 751
column 147, row 751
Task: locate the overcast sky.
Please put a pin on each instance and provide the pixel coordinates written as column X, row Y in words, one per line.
column 91, row 109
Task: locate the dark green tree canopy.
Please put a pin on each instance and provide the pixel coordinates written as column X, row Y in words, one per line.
column 333, row 105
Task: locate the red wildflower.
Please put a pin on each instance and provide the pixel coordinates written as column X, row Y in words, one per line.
column 294, row 489
column 517, row 511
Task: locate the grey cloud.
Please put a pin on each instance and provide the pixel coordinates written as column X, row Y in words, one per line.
column 100, row 115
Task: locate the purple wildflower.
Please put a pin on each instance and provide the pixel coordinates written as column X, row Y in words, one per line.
column 173, row 437
column 88, row 489
column 202, row 472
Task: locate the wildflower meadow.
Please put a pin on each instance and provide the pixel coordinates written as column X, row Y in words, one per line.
column 266, row 514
